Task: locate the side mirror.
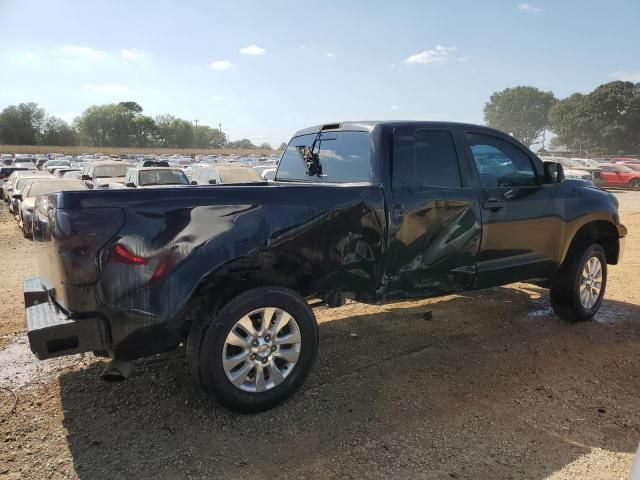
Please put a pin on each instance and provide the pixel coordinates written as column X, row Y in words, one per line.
column 553, row 172
column 213, row 181
column 131, row 185
column 86, row 177
column 193, row 182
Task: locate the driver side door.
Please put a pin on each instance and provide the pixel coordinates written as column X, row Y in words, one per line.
column 522, row 221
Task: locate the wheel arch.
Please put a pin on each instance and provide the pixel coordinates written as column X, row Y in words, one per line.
column 601, row 231
column 219, row 286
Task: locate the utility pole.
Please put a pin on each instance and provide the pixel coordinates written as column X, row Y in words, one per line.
column 196, row 122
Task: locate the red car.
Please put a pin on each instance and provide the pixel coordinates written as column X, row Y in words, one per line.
column 624, row 159
column 617, row 175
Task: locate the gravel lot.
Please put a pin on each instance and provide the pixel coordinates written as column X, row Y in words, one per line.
column 494, row 386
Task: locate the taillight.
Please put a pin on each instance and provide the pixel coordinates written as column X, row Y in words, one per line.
column 122, row 255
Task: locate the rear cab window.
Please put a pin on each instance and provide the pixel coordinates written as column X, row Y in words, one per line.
column 423, row 159
column 345, row 157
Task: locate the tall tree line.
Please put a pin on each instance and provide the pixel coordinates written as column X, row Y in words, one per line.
column 606, row 119
column 112, row 125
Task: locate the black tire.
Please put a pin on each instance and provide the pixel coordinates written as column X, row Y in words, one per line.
column 207, row 340
column 565, row 289
column 634, row 185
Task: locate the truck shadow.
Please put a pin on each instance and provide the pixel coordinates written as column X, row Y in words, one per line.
column 494, row 386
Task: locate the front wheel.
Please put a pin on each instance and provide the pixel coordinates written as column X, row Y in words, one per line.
column 634, row 185
column 578, row 289
column 257, row 350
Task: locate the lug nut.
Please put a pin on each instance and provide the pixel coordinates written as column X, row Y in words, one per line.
column 273, row 348
column 265, row 360
column 252, row 356
column 254, row 343
column 267, row 338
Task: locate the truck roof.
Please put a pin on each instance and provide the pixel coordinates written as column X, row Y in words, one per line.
column 369, row 125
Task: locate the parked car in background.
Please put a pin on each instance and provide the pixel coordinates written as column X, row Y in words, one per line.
column 150, row 162
column 72, row 174
column 8, row 186
column 59, row 172
column 28, row 196
column 101, row 174
column 21, row 184
column 51, row 165
column 25, row 165
column 624, row 159
column 225, row 175
column 5, row 172
column 153, row 177
column 269, row 174
column 620, row 176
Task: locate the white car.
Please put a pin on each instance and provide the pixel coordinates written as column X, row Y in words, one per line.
column 32, row 190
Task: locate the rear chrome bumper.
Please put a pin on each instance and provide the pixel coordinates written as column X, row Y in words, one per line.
column 51, row 332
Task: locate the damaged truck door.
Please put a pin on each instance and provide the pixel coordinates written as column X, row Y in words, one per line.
column 434, row 217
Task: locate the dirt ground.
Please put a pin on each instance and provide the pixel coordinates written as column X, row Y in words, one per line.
column 494, row 386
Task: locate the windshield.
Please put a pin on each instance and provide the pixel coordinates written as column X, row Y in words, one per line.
column 163, row 177
column 53, row 163
column 622, row 168
column 111, row 171
column 42, row 188
column 344, row 156
column 239, row 175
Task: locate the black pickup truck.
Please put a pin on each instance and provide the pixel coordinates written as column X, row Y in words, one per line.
column 371, row 211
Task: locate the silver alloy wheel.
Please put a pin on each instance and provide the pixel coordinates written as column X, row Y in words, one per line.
column 591, row 282
column 261, row 350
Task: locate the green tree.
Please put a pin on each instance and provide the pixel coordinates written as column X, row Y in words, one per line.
column 245, row 143
column 58, row 132
column 282, row 147
column 105, row 125
column 142, row 130
column 21, row 124
column 265, row 146
column 607, row 118
column 174, row 132
column 207, row 137
column 521, row 111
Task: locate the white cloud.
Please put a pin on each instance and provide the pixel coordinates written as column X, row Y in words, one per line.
column 464, row 59
column 108, row 88
column 253, row 50
column 132, row 54
column 331, row 54
column 81, row 53
column 528, row 8
column 221, row 65
column 626, row 76
column 302, row 45
column 394, row 107
column 393, row 65
column 435, row 55
column 216, row 98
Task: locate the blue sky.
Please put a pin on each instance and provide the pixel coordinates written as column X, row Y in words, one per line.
column 267, row 68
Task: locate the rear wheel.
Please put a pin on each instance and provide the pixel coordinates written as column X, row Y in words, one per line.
column 257, row 350
column 578, row 289
column 634, row 185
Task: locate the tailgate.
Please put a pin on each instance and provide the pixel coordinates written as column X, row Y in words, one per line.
column 68, row 242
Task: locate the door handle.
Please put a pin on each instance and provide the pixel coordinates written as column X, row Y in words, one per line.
column 494, row 204
column 397, row 213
